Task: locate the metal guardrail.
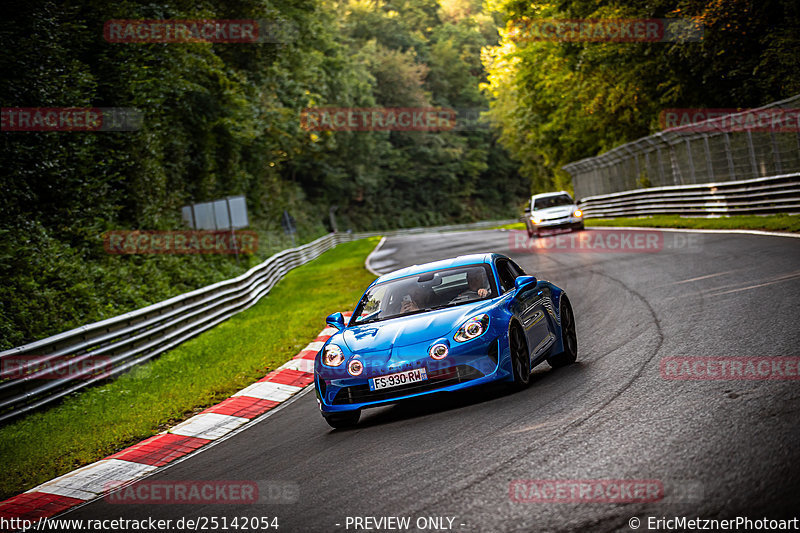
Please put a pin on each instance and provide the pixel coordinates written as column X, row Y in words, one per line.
column 761, row 196
column 105, row 349
column 441, row 229
column 710, row 151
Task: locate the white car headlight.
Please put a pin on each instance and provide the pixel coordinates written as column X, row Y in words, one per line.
column 332, row 355
column 355, row 367
column 472, row 328
column 578, row 213
column 438, row 351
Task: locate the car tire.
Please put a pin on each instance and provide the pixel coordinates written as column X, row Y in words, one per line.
column 343, row 420
column 568, row 336
column 531, row 233
column 520, row 358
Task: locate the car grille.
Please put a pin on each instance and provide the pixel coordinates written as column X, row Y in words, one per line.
column 436, row 379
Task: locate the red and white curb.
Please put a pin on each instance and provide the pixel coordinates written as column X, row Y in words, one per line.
column 94, row 480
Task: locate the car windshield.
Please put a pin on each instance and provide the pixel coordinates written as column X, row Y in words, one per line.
column 425, row 292
column 552, row 201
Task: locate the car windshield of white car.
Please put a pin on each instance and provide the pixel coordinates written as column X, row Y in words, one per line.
column 552, row 201
column 426, row 292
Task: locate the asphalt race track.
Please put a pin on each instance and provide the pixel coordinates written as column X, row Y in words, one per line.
column 720, row 449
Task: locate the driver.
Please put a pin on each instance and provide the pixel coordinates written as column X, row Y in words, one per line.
column 475, row 285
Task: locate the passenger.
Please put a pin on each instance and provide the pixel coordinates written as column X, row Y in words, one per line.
column 414, row 301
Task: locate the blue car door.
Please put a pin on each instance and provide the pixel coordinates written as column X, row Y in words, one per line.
column 531, row 308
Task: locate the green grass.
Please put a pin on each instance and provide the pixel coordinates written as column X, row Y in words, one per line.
column 104, row 419
column 769, row 222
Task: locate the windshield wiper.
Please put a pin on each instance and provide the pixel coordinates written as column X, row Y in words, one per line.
column 368, row 321
column 415, row 312
column 451, row 304
column 379, row 319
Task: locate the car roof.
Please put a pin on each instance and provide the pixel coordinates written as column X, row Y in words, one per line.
column 461, row 260
column 546, row 194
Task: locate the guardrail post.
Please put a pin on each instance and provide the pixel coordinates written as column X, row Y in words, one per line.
column 596, row 180
column 677, row 177
column 797, row 134
column 709, row 163
column 660, row 165
column 753, row 162
column 729, row 154
column 775, row 153
column 691, row 161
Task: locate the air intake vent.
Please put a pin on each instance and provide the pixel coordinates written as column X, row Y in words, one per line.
column 494, row 348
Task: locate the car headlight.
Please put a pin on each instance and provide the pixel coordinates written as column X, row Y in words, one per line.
column 355, row 367
column 578, row 213
column 536, row 220
column 472, row 328
column 332, row 355
column 438, row 351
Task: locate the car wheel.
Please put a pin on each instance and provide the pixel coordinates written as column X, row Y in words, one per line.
column 530, row 230
column 568, row 336
column 520, row 358
column 343, row 420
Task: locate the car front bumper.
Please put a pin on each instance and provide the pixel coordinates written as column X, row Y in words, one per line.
column 559, row 223
column 473, row 363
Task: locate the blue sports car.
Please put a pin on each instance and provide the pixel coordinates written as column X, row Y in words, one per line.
column 442, row 326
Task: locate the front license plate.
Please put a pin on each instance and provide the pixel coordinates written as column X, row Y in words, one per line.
column 399, row 378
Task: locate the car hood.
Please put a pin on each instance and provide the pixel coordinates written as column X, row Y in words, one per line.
column 556, row 212
column 403, row 331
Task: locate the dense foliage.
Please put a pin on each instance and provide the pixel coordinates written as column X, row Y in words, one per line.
column 558, row 102
column 224, row 119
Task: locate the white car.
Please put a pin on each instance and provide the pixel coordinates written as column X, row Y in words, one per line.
column 552, row 211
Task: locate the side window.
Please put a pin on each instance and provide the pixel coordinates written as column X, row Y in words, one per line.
column 516, row 269
column 507, row 277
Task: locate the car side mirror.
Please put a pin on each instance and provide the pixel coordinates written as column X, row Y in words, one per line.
column 527, row 210
column 521, row 281
column 336, row 320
